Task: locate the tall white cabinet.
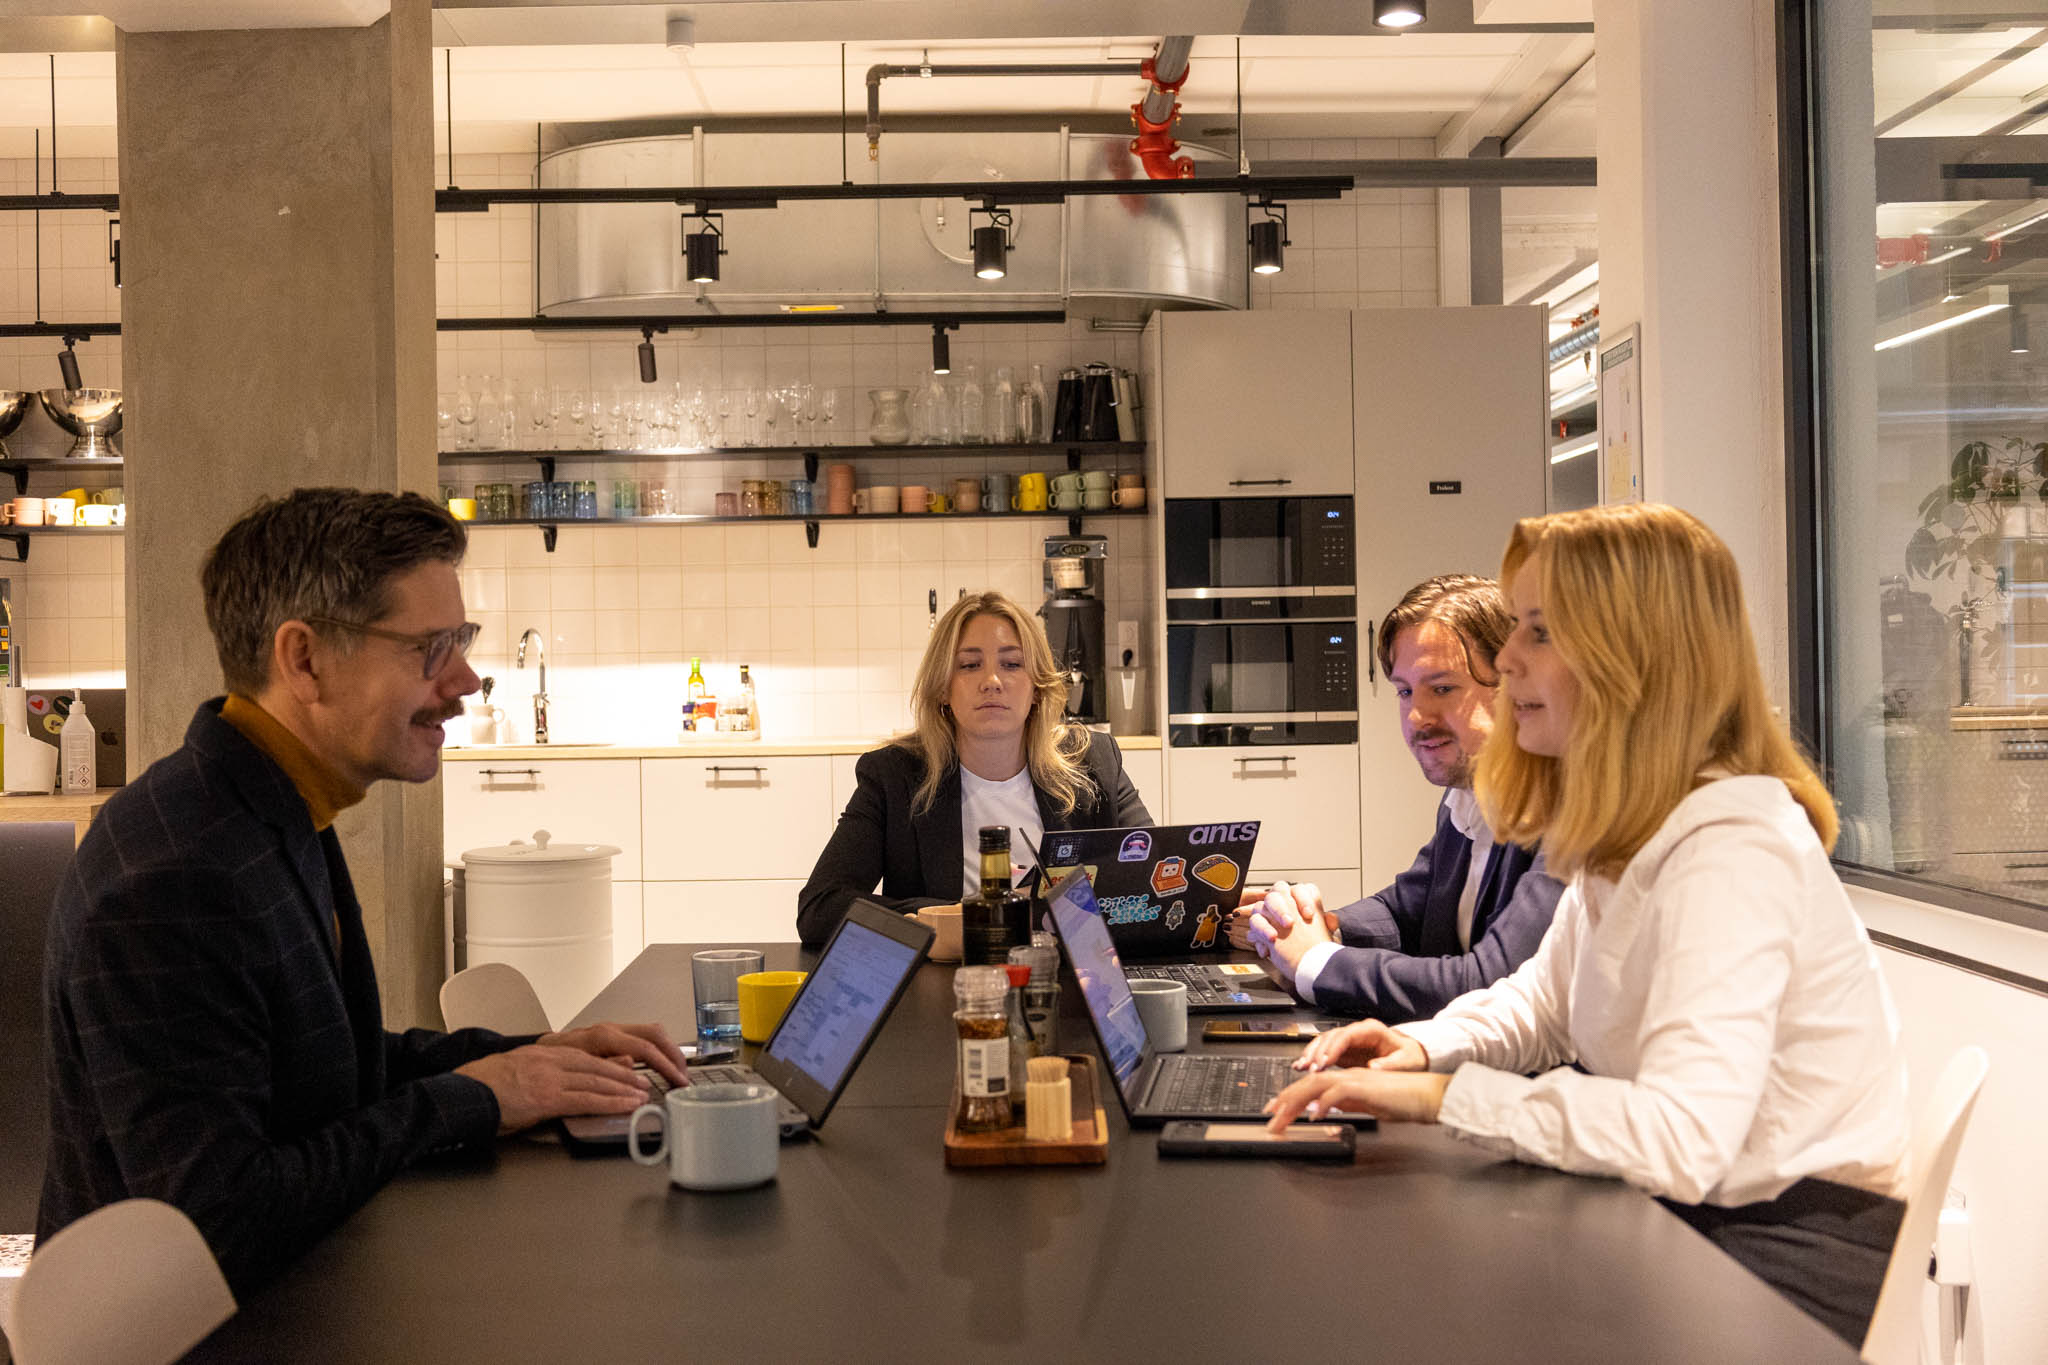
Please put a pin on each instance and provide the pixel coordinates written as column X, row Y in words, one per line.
column 1433, row 419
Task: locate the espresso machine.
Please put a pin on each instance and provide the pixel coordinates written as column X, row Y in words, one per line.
column 1072, row 613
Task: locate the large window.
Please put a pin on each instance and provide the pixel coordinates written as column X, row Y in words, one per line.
column 1930, row 143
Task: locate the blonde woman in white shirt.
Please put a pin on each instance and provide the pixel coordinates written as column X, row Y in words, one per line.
column 1705, row 1018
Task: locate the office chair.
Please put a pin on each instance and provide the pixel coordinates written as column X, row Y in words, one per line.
column 36, row 855
column 128, row 1284
column 1894, row 1335
column 493, row 995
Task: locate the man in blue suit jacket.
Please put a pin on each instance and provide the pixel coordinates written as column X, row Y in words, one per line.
column 1469, row 911
column 216, row 1037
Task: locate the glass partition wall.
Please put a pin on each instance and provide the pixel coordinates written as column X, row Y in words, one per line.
column 1929, row 128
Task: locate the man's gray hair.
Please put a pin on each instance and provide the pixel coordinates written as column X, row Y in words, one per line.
column 328, row 552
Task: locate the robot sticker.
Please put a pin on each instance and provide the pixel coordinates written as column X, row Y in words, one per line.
column 1169, row 874
column 1205, row 928
column 1136, row 847
column 1177, row 915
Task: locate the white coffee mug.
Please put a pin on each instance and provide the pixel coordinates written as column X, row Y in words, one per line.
column 57, row 511
column 716, row 1137
column 1163, row 1009
column 486, row 724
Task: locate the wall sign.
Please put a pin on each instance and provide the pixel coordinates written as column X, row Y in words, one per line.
column 1446, row 485
column 1621, row 417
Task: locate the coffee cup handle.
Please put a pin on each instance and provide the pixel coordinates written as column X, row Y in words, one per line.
column 633, row 1148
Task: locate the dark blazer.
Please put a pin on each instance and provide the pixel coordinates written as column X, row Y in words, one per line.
column 916, row 858
column 1404, row 962
column 209, row 1045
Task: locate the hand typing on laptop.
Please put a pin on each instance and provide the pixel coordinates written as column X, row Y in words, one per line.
column 583, row 1071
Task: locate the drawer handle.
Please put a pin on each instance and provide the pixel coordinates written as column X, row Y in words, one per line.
column 509, row 772
column 1267, row 758
column 1260, row 483
column 716, row 768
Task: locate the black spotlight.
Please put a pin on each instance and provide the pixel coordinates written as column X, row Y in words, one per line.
column 702, row 249
column 991, row 244
column 1399, row 13
column 647, row 375
column 67, row 362
column 942, row 349
column 1269, row 241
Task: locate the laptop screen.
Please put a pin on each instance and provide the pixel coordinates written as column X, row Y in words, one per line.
column 1078, row 921
column 841, row 1003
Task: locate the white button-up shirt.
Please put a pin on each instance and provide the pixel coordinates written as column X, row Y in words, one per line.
column 1727, row 1003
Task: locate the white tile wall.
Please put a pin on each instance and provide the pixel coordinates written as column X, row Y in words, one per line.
column 833, row 632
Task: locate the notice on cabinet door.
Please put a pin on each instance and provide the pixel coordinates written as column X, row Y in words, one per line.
column 1621, row 418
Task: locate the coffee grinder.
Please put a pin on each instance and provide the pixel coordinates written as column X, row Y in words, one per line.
column 1072, row 613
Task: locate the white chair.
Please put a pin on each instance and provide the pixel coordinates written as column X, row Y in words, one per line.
column 128, row 1284
column 493, row 995
column 1894, row 1335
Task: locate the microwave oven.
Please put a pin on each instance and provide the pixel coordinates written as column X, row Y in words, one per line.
column 1220, row 545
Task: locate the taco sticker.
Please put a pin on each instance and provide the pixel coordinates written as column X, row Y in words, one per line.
column 1217, row 870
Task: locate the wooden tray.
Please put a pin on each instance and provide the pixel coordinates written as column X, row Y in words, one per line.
column 1089, row 1146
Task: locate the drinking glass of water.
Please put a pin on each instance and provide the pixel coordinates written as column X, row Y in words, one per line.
column 715, row 978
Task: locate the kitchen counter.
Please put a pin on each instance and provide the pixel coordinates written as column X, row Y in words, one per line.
column 718, row 746
column 77, row 811
column 1997, row 718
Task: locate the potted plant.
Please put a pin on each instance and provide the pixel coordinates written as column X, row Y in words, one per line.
column 1964, row 526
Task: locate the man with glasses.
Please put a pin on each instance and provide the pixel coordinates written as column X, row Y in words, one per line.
column 216, row 1038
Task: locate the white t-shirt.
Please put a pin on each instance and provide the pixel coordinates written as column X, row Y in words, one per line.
column 1013, row 803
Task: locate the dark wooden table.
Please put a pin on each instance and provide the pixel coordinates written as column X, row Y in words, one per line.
column 868, row 1248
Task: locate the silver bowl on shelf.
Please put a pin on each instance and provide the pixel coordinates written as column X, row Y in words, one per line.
column 13, row 407
column 92, row 415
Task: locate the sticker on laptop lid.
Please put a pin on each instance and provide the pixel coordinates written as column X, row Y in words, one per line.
column 1205, row 929
column 1137, row 847
column 1217, row 870
column 1177, row 915
column 1169, row 875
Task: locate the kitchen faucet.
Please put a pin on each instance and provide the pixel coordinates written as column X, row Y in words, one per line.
column 540, row 698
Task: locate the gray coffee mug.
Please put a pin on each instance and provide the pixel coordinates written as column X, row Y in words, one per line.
column 998, row 492
column 1067, row 500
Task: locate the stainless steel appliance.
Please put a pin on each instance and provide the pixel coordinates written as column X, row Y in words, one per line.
column 1072, row 613
column 1262, row 635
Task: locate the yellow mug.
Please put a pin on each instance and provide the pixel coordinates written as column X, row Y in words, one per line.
column 763, row 998
column 1030, row 493
column 462, row 509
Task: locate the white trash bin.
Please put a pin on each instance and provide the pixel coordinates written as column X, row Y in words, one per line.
column 545, row 908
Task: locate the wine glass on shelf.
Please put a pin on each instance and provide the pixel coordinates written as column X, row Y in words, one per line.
column 828, row 408
column 722, row 436
column 751, row 405
column 601, row 423
column 508, row 416
column 487, row 414
column 578, row 413
column 538, row 416
column 444, row 418
column 558, row 412
column 465, row 414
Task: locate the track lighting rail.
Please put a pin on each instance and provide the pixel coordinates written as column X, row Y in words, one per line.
column 710, row 198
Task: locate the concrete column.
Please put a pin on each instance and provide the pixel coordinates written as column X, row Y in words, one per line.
column 278, row 331
column 1688, row 202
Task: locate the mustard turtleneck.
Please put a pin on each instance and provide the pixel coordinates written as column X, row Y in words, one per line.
column 325, row 792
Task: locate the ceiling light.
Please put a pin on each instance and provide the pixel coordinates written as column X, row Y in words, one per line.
column 702, row 249
column 1560, row 402
column 991, row 243
column 2011, row 228
column 1269, row 240
column 1946, row 314
column 1399, row 13
column 646, row 348
column 1559, row 454
column 67, row 365
column 2019, row 344
column 942, row 349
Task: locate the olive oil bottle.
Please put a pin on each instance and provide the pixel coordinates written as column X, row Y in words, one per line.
column 998, row 919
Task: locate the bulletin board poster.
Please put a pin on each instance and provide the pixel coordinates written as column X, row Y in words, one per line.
column 1621, row 418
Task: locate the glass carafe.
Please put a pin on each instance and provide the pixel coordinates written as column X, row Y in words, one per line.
column 973, row 409
column 1002, row 409
column 1032, row 422
column 889, row 423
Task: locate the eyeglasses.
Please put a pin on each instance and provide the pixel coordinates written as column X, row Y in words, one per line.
column 436, row 648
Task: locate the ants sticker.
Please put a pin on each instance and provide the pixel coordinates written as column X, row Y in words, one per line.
column 1137, row 847
column 1169, row 875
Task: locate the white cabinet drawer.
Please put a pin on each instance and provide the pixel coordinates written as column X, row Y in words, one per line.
column 721, row 912
column 1305, row 797
column 589, row 801
column 731, row 819
column 1340, row 885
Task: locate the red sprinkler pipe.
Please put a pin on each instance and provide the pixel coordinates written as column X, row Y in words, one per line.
column 1154, row 146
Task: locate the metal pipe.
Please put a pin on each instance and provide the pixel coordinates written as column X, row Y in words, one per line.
column 882, row 70
column 1168, row 67
column 1574, row 341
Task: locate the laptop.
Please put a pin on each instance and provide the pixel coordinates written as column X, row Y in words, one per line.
column 1167, row 891
column 822, row 1036
column 1156, row 1088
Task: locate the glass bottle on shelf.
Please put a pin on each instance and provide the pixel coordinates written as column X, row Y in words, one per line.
column 1032, row 425
column 973, row 409
column 487, row 414
column 1002, row 409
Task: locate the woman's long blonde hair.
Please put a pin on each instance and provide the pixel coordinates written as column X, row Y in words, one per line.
column 1053, row 748
column 1644, row 605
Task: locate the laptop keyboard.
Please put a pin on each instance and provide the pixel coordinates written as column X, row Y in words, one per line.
column 1211, row 1084
column 724, row 1073
column 1203, row 988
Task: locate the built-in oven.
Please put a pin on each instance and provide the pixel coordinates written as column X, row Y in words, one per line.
column 1262, row 634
